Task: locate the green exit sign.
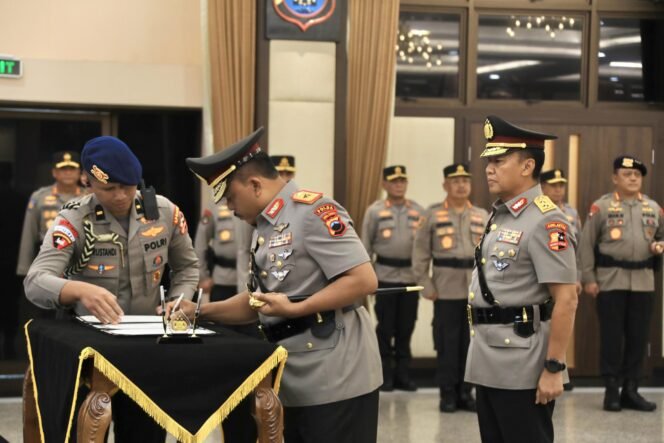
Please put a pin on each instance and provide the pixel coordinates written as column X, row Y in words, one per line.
column 10, row 67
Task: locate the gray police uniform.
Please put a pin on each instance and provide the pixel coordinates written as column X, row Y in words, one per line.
column 128, row 263
column 615, row 254
column 388, row 231
column 303, row 241
column 573, row 220
column 445, row 243
column 229, row 239
column 43, row 207
column 527, row 245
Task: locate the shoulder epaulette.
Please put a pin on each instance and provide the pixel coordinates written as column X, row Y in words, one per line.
column 74, row 204
column 544, row 203
column 307, row 197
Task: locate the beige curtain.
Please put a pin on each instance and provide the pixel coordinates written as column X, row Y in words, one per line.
column 371, row 64
column 232, row 41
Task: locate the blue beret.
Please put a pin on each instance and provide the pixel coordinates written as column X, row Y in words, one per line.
column 109, row 159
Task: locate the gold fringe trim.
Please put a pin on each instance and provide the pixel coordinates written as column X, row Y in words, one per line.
column 85, row 354
column 34, row 384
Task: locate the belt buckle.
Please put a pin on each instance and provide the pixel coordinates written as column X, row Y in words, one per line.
column 469, row 311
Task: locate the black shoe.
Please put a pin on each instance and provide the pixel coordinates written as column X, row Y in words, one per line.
column 388, row 382
column 612, row 396
column 466, row 400
column 448, row 400
column 631, row 399
column 405, row 384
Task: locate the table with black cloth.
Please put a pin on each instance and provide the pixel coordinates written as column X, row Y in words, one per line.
column 188, row 389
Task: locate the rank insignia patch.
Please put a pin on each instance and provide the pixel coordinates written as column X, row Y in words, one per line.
column 544, row 203
column 275, row 207
column 594, row 209
column 304, row 13
column 519, row 204
column 280, row 240
column 509, row 236
column 100, row 269
column 308, row 197
column 64, row 234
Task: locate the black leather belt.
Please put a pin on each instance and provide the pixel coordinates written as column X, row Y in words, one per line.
column 394, row 262
column 322, row 324
column 606, row 261
column 453, row 262
column 507, row 315
column 225, row 262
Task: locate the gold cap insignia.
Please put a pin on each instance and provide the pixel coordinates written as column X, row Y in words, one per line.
column 557, row 173
column 628, row 162
column 99, row 174
column 488, row 130
column 284, row 162
column 460, row 169
column 398, row 170
column 67, row 157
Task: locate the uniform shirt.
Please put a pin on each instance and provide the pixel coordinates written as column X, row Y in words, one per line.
column 43, row 207
column 444, row 233
column 130, row 267
column 229, row 237
column 624, row 230
column 388, row 231
column 528, row 246
column 300, row 247
column 573, row 220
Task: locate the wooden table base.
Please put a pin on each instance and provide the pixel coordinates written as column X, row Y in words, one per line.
column 94, row 415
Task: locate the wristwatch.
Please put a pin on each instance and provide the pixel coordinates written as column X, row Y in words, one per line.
column 552, row 365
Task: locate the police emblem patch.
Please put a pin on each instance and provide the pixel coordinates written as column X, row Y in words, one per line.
column 335, row 226
column 304, row 13
column 64, row 234
column 557, row 236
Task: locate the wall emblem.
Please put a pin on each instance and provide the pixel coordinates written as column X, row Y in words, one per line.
column 304, row 13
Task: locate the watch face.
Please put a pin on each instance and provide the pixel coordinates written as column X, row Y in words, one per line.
column 554, row 366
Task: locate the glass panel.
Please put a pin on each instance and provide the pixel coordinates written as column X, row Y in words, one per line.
column 428, row 55
column 630, row 59
column 529, row 57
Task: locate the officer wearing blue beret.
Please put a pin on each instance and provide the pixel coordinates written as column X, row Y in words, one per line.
column 105, row 255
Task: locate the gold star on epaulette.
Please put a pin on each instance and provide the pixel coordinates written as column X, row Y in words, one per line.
column 544, row 203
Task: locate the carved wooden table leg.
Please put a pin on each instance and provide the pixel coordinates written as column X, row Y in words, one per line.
column 30, row 420
column 95, row 413
column 268, row 413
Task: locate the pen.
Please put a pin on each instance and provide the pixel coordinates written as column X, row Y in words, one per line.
column 177, row 303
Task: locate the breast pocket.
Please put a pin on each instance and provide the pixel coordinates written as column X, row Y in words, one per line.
column 386, row 228
column 614, row 229
column 501, row 263
column 649, row 226
column 102, row 271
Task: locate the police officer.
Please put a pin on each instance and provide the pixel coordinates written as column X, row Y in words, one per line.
column 285, row 165
column 105, row 254
column 310, row 273
column 622, row 235
column 44, row 205
column 554, row 186
column 387, row 231
column 223, row 239
column 447, row 238
column 522, row 297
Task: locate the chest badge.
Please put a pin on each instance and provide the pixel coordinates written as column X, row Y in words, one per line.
column 500, row 264
column 281, row 240
column 280, row 227
column 280, row 275
column 100, row 269
column 225, row 235
column 285, row 254
column 510, row 236
column 153, row 231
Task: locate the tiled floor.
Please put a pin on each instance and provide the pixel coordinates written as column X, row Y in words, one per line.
column 406, row 417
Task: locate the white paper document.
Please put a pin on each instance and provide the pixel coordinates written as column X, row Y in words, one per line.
column 136, row 325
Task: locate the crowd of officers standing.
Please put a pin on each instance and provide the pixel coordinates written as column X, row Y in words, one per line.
column 466, row 259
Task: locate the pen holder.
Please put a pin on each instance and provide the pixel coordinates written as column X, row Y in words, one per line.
column 178, row 330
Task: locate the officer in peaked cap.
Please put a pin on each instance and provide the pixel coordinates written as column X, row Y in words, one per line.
column 621, row 237
column 524, row 263
column 45, row 203
column 285, row 165
column 446, row 239
column 388, row 231
column 305, row 250
column 106, row 253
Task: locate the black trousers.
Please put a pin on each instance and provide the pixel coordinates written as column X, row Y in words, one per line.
column 624, row 325
column 348, row 421
column 451, row 337
column 396, row 314
column 511, row 416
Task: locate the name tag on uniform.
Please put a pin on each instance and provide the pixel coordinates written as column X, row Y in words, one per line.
column 509, row 236
column 281, row 240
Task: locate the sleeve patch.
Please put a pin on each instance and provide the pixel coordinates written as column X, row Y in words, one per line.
column 176, row 215
column 325, row 208
column 308, row 197
column 182, row 224
column 64, row 234
column 557, row 232
column 205, row 218
column 594, row 209
column 32, row 203
column 335, row 226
